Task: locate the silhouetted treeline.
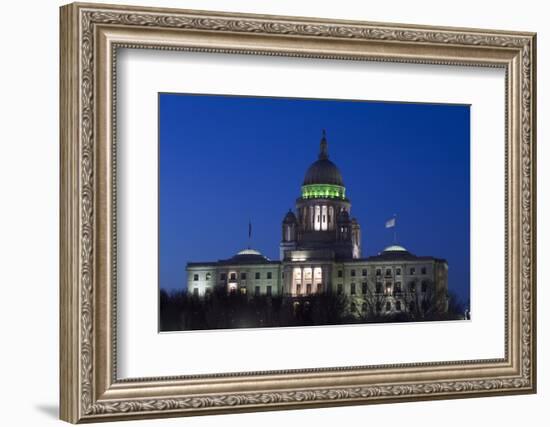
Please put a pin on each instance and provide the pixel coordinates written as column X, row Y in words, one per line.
column 219, row 310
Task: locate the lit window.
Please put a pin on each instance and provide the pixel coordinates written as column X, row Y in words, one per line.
column 388, row 288
column 352, row 289
column 243, row 291
column 318, row 273
column 317, row 222
column 195, row 277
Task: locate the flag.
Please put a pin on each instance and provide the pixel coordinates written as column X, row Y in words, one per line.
column 249, row 229
column 390, row 223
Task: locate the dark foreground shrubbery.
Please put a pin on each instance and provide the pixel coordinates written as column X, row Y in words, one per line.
column 180, row 311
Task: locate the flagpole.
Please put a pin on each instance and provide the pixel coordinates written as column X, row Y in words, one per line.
column 249, row 232
column 395, row 229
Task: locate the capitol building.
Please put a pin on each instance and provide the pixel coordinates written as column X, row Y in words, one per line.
column 320, row 252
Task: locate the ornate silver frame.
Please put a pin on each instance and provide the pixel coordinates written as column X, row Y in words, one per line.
column 90, row 36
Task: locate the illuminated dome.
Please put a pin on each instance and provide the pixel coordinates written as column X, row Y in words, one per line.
column 250, row 256
column 395, row 252
column 395, row 248
column 323, row 171
column 249, row 252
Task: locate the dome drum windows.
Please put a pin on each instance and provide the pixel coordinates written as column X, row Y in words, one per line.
column 323, row 191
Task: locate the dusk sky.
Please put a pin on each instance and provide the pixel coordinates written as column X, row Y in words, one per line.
column 225, row 160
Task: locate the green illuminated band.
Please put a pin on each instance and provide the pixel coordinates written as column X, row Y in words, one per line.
column 326, row 191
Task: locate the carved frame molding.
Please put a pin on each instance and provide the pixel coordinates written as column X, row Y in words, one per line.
column 90, row 36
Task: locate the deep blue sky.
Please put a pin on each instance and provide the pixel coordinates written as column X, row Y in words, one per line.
column 227, row 159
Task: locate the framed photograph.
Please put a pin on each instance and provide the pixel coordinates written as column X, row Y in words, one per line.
column 266, row 212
